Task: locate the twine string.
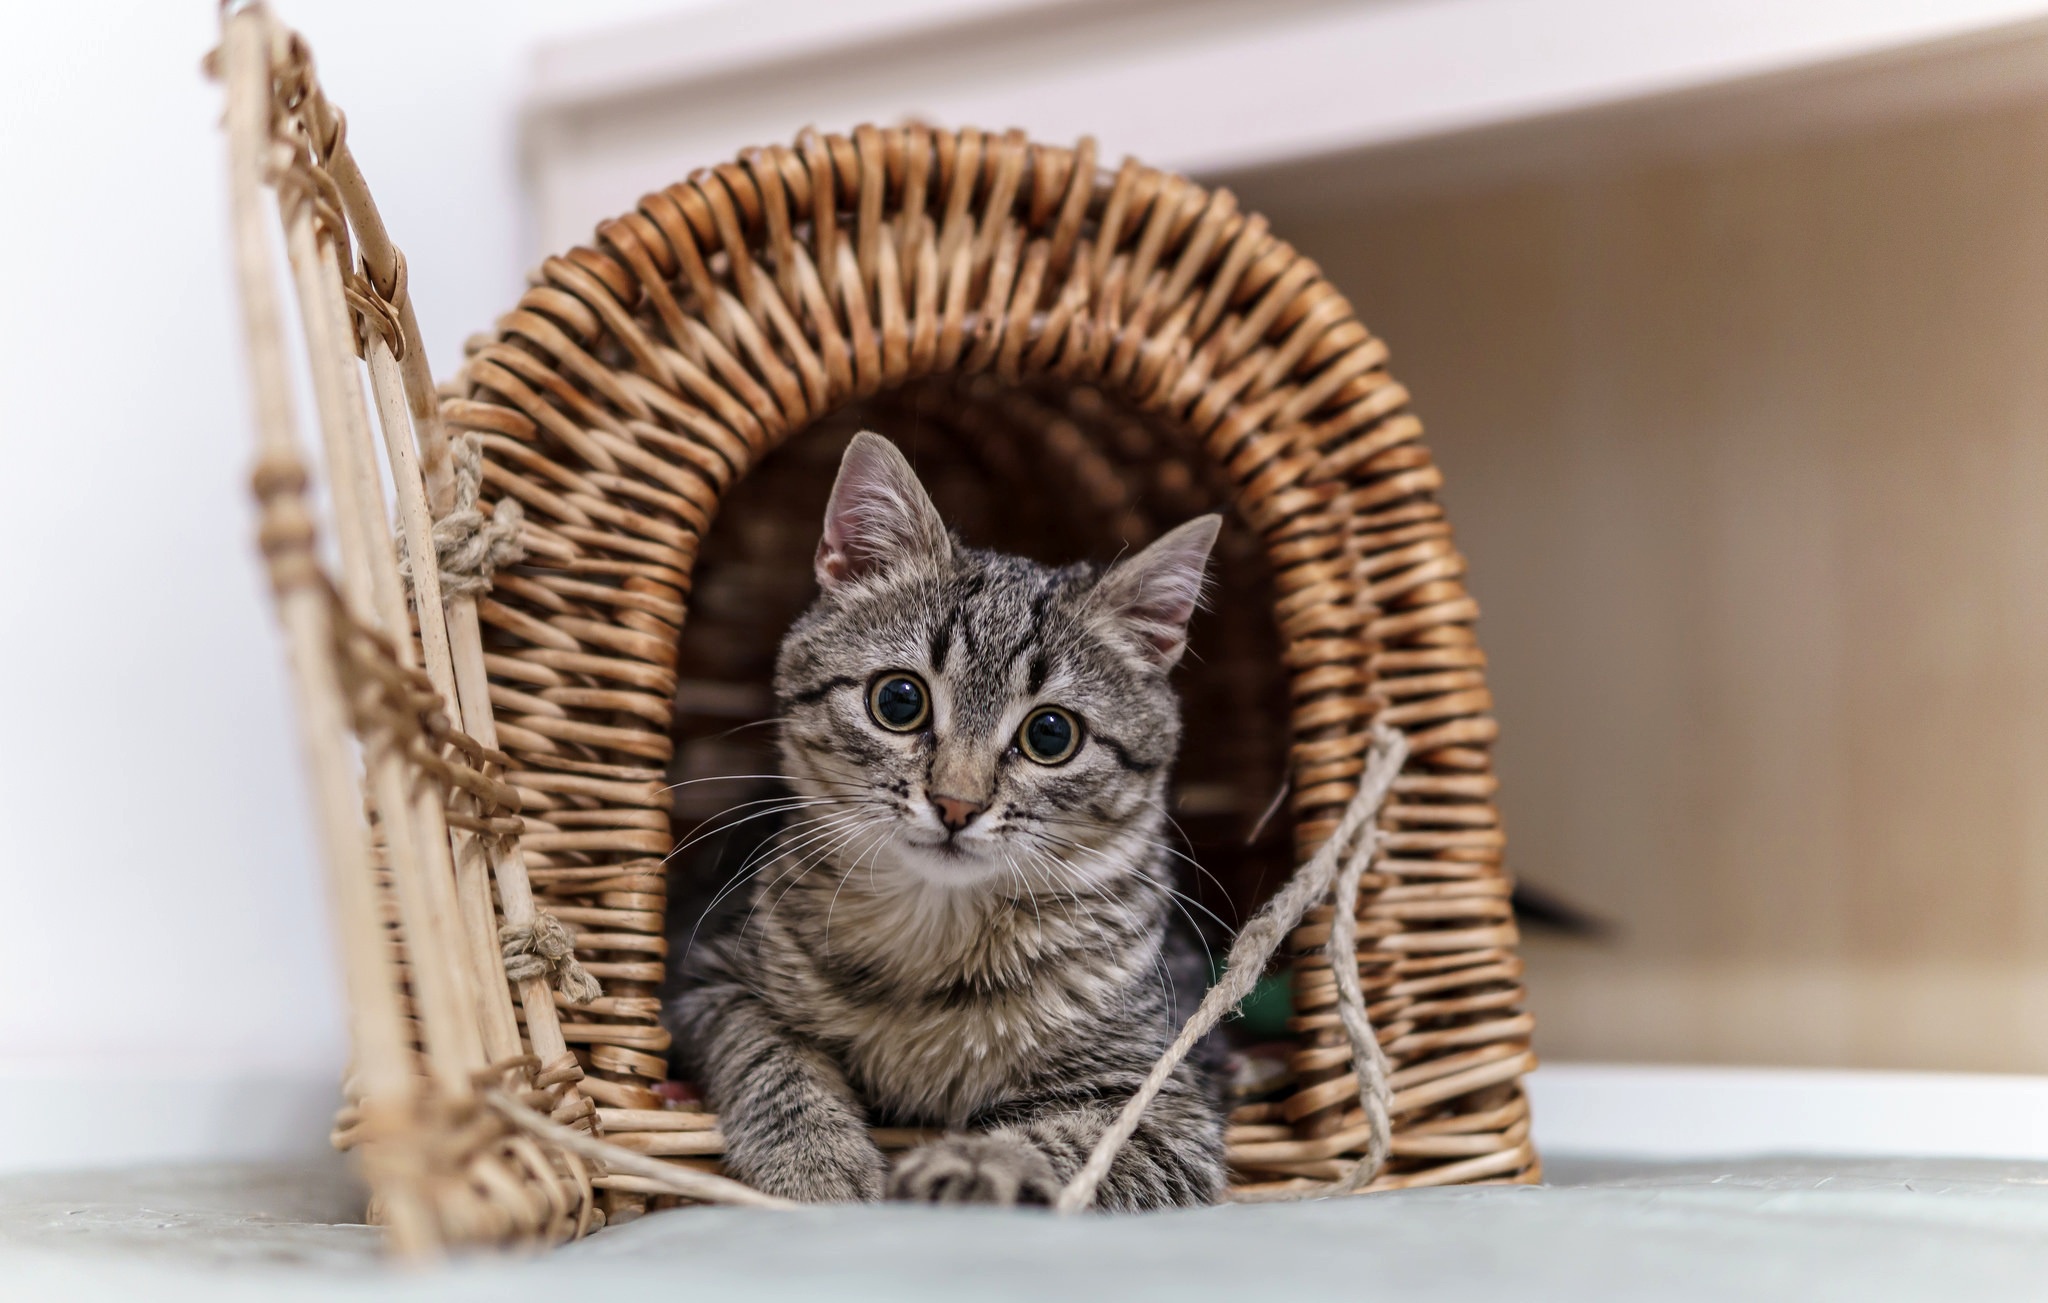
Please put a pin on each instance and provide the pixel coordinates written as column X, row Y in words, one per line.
column 1338, row 865
column 1368, row 1060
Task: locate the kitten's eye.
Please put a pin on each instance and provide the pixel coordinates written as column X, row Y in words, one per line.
column 1049, row 735
column 899, row 702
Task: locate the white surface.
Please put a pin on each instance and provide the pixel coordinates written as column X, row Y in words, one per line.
column 1203, row 86
column 1771, row 1231
column 1641, row 1111
column 96, row 1111
column 99, row 1113
column 161, row 900
column 84, row 1112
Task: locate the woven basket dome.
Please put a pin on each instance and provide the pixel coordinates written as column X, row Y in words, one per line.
column 1075, row 359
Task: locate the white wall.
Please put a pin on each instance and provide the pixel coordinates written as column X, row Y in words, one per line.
column 162, row 909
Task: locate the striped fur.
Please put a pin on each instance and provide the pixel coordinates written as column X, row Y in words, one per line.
column 1008, row 980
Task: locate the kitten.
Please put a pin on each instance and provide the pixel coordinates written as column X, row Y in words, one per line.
column 967, row 927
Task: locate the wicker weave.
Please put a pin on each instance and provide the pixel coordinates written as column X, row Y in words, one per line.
column 1076, row 358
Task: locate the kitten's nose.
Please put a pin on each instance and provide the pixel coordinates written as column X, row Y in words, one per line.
column 956, row 813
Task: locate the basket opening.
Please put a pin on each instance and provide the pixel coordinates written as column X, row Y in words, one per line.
column 1051, row 471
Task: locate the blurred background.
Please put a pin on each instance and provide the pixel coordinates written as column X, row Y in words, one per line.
column 1729, row 323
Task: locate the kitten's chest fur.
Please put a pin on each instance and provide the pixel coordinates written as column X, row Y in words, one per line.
column 942, row 1003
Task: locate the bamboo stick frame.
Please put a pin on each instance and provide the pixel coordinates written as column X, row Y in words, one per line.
column 468, row 1133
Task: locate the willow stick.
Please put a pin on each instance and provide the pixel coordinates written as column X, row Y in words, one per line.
column 464, row 638
column 426, row 898
column 415, row 519
column 381, row 1058
column 508, row 864
column 376, row 1024
column 497, row 1026
column 676, row 1179
column 418, row 836
column 381, row 262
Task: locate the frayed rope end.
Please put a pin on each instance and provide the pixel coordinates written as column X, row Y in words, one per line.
column 469, row 546
column 546, row 949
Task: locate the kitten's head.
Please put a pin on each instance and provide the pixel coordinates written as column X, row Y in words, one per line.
column 969, row 717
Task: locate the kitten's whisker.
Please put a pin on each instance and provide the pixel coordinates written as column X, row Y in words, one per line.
column 758, row 814
column 786, row 842
column 820, row 841
column 1030, row 895
column 846, row 876
column 1176, row 897
column 1154, row 844
column 1199, row 867
column 1054, row 866
column 814, row 861
column 1158, row 964
column 781, row 844
column 1116, row 830
column 778, row 840
column 1046, row 862
column 782, row 804
column 728, row 778
column 739, row 728
column 723, row 892
column 742, row 875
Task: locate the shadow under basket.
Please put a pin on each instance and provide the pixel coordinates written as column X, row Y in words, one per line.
column 1075, row 359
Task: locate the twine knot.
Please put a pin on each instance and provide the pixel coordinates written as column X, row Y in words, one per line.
column 470, row 546
column 546, row 949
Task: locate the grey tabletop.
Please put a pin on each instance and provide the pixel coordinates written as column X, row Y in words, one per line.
column 1767, row 1228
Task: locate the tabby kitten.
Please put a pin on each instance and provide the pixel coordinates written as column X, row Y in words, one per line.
column 968, row 927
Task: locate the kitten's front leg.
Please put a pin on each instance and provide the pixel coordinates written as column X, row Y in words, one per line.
column 1173, row 1159
column 792, row 1125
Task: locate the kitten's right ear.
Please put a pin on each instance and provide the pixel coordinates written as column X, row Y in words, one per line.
column 1150, row 597
column 879, row 516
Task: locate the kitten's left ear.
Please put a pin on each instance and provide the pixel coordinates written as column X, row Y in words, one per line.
column 1152, row 595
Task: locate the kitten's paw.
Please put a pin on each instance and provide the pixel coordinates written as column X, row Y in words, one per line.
column 817, row 1172
column 990, row 1169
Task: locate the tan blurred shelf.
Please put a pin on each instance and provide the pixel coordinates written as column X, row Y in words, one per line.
column 1727, row 320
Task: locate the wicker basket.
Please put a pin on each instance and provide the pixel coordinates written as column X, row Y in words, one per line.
column 1076, row 358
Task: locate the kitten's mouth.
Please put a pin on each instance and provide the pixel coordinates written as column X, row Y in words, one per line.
column 948, row 861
